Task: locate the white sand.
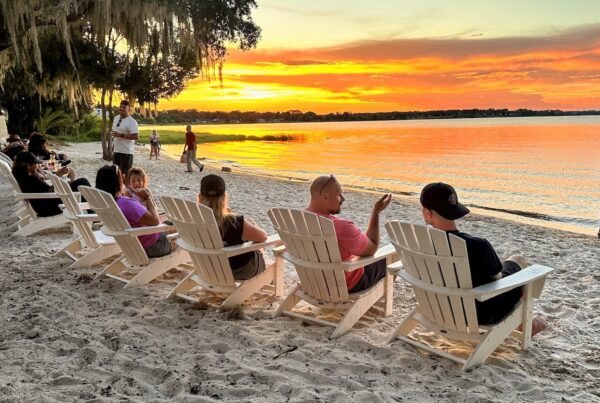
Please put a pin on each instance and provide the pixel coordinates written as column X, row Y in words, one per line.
column 63, row 338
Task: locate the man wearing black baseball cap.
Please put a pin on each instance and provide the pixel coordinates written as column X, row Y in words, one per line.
column 440, row 208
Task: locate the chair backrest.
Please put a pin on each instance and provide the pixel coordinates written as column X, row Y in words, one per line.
column 113, row 219
column 197, row 227
column 311, row 241
column 72, row 210
column 6, row 171
column 5, row 158
column 440, row 259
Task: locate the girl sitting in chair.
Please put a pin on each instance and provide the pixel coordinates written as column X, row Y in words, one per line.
column 234, row 228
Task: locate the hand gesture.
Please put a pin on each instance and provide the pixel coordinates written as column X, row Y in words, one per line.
column 142, row 193
column 62, row 171
column 382, row 203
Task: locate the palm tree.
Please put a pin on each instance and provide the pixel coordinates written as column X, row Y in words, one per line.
column 51, row 120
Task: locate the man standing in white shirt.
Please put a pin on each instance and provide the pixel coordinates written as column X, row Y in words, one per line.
column 124, row 133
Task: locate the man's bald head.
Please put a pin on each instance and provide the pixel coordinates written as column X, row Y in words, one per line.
column 326, row 195
column 321, row 185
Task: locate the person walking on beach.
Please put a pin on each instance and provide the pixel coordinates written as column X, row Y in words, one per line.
column 154, row 144
column 326, row 200
column 124, row 133
column 190, row 150
column 440, row 209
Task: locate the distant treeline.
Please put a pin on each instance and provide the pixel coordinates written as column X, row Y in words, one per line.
column 195, row 116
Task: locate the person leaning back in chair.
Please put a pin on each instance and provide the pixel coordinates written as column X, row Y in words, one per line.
column 326, row 199
column 440, row 208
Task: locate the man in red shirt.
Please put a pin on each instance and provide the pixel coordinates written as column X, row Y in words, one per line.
column 190, row 150
column 326, row 200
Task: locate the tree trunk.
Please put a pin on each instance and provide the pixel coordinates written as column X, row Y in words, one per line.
column 111, row 116
column 104, row 134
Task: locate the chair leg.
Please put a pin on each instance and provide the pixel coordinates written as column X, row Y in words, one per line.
column 157, row 268
column 358, row 309
column 494, row 337
column 70, row 249
column 95, row 256
column 527, row 316
column 388, row 295
column 248, row 288
column 290, row 301
column 278, row 280
column 114, row 268
column 184, row 285
column 405, row 327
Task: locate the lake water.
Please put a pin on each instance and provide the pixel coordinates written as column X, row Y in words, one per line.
column 543, row 170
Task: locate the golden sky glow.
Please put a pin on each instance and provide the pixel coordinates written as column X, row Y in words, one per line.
column 544, row 61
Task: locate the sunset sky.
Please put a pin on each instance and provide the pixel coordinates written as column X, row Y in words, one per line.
column 384, row 55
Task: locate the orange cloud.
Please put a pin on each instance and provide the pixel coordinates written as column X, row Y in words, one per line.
column 558, row 71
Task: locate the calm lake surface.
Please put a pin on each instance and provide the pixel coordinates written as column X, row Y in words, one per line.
column 543, row 170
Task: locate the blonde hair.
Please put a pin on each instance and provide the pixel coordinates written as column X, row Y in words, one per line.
column 138, row 172
column 220, row 207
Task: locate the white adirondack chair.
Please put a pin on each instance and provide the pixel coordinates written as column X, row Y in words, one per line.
column 91, row 246
column 5, row 158
column 200, row 236
column 134, row 257
column 29, row 223
column 21, row 212
column 312, row 247
column 436, row 264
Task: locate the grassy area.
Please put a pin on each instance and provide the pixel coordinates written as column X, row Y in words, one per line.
column 178, row 137
column 173, row 137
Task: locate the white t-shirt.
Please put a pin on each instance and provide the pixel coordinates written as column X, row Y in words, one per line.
column 127, row 125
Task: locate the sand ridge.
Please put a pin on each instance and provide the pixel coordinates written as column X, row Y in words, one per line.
column 64, row 338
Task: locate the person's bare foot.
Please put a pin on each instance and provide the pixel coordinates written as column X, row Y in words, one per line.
column 537, row 325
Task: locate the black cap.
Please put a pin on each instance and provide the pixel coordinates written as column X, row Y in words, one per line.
column 441, row 198
column 212, row 186
column 28, row 158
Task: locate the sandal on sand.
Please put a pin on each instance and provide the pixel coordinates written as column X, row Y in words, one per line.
column 188, row 171
column 201, row 168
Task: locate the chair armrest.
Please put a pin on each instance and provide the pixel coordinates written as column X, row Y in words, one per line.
column 382, row 253
column 151, row 229
column 88, row 217
column 520, row 278
column 31, row 196
column 395, row 267
column 272, row 240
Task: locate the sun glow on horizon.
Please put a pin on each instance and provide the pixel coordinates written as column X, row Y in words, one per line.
column 558, row 70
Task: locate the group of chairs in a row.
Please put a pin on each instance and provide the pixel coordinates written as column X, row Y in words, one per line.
column 436, row 265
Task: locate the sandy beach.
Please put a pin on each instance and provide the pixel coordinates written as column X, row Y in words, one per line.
column 65, row 338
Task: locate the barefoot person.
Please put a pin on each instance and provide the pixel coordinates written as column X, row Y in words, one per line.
column 124, row 133
column 190, row 150
column 326, row 200
column 440, row 208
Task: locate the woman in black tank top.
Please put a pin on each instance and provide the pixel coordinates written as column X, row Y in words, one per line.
column 234, row 228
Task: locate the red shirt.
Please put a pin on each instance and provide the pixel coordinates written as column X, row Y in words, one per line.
column 351, row 242
column 190, row 140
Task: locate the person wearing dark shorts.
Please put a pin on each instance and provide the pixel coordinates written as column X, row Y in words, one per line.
column 440, row 208
column 326, row 200
column 124, row 133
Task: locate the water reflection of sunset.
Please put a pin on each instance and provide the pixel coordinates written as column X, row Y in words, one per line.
column 507, row 167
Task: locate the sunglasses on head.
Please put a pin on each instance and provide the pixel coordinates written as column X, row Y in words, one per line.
column 331, row 178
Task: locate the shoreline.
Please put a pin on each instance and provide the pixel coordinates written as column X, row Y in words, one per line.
column 66, row 338
column 522, row 217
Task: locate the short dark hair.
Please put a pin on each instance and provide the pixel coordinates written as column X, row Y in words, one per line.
column 125, row 102
column 109, row 179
